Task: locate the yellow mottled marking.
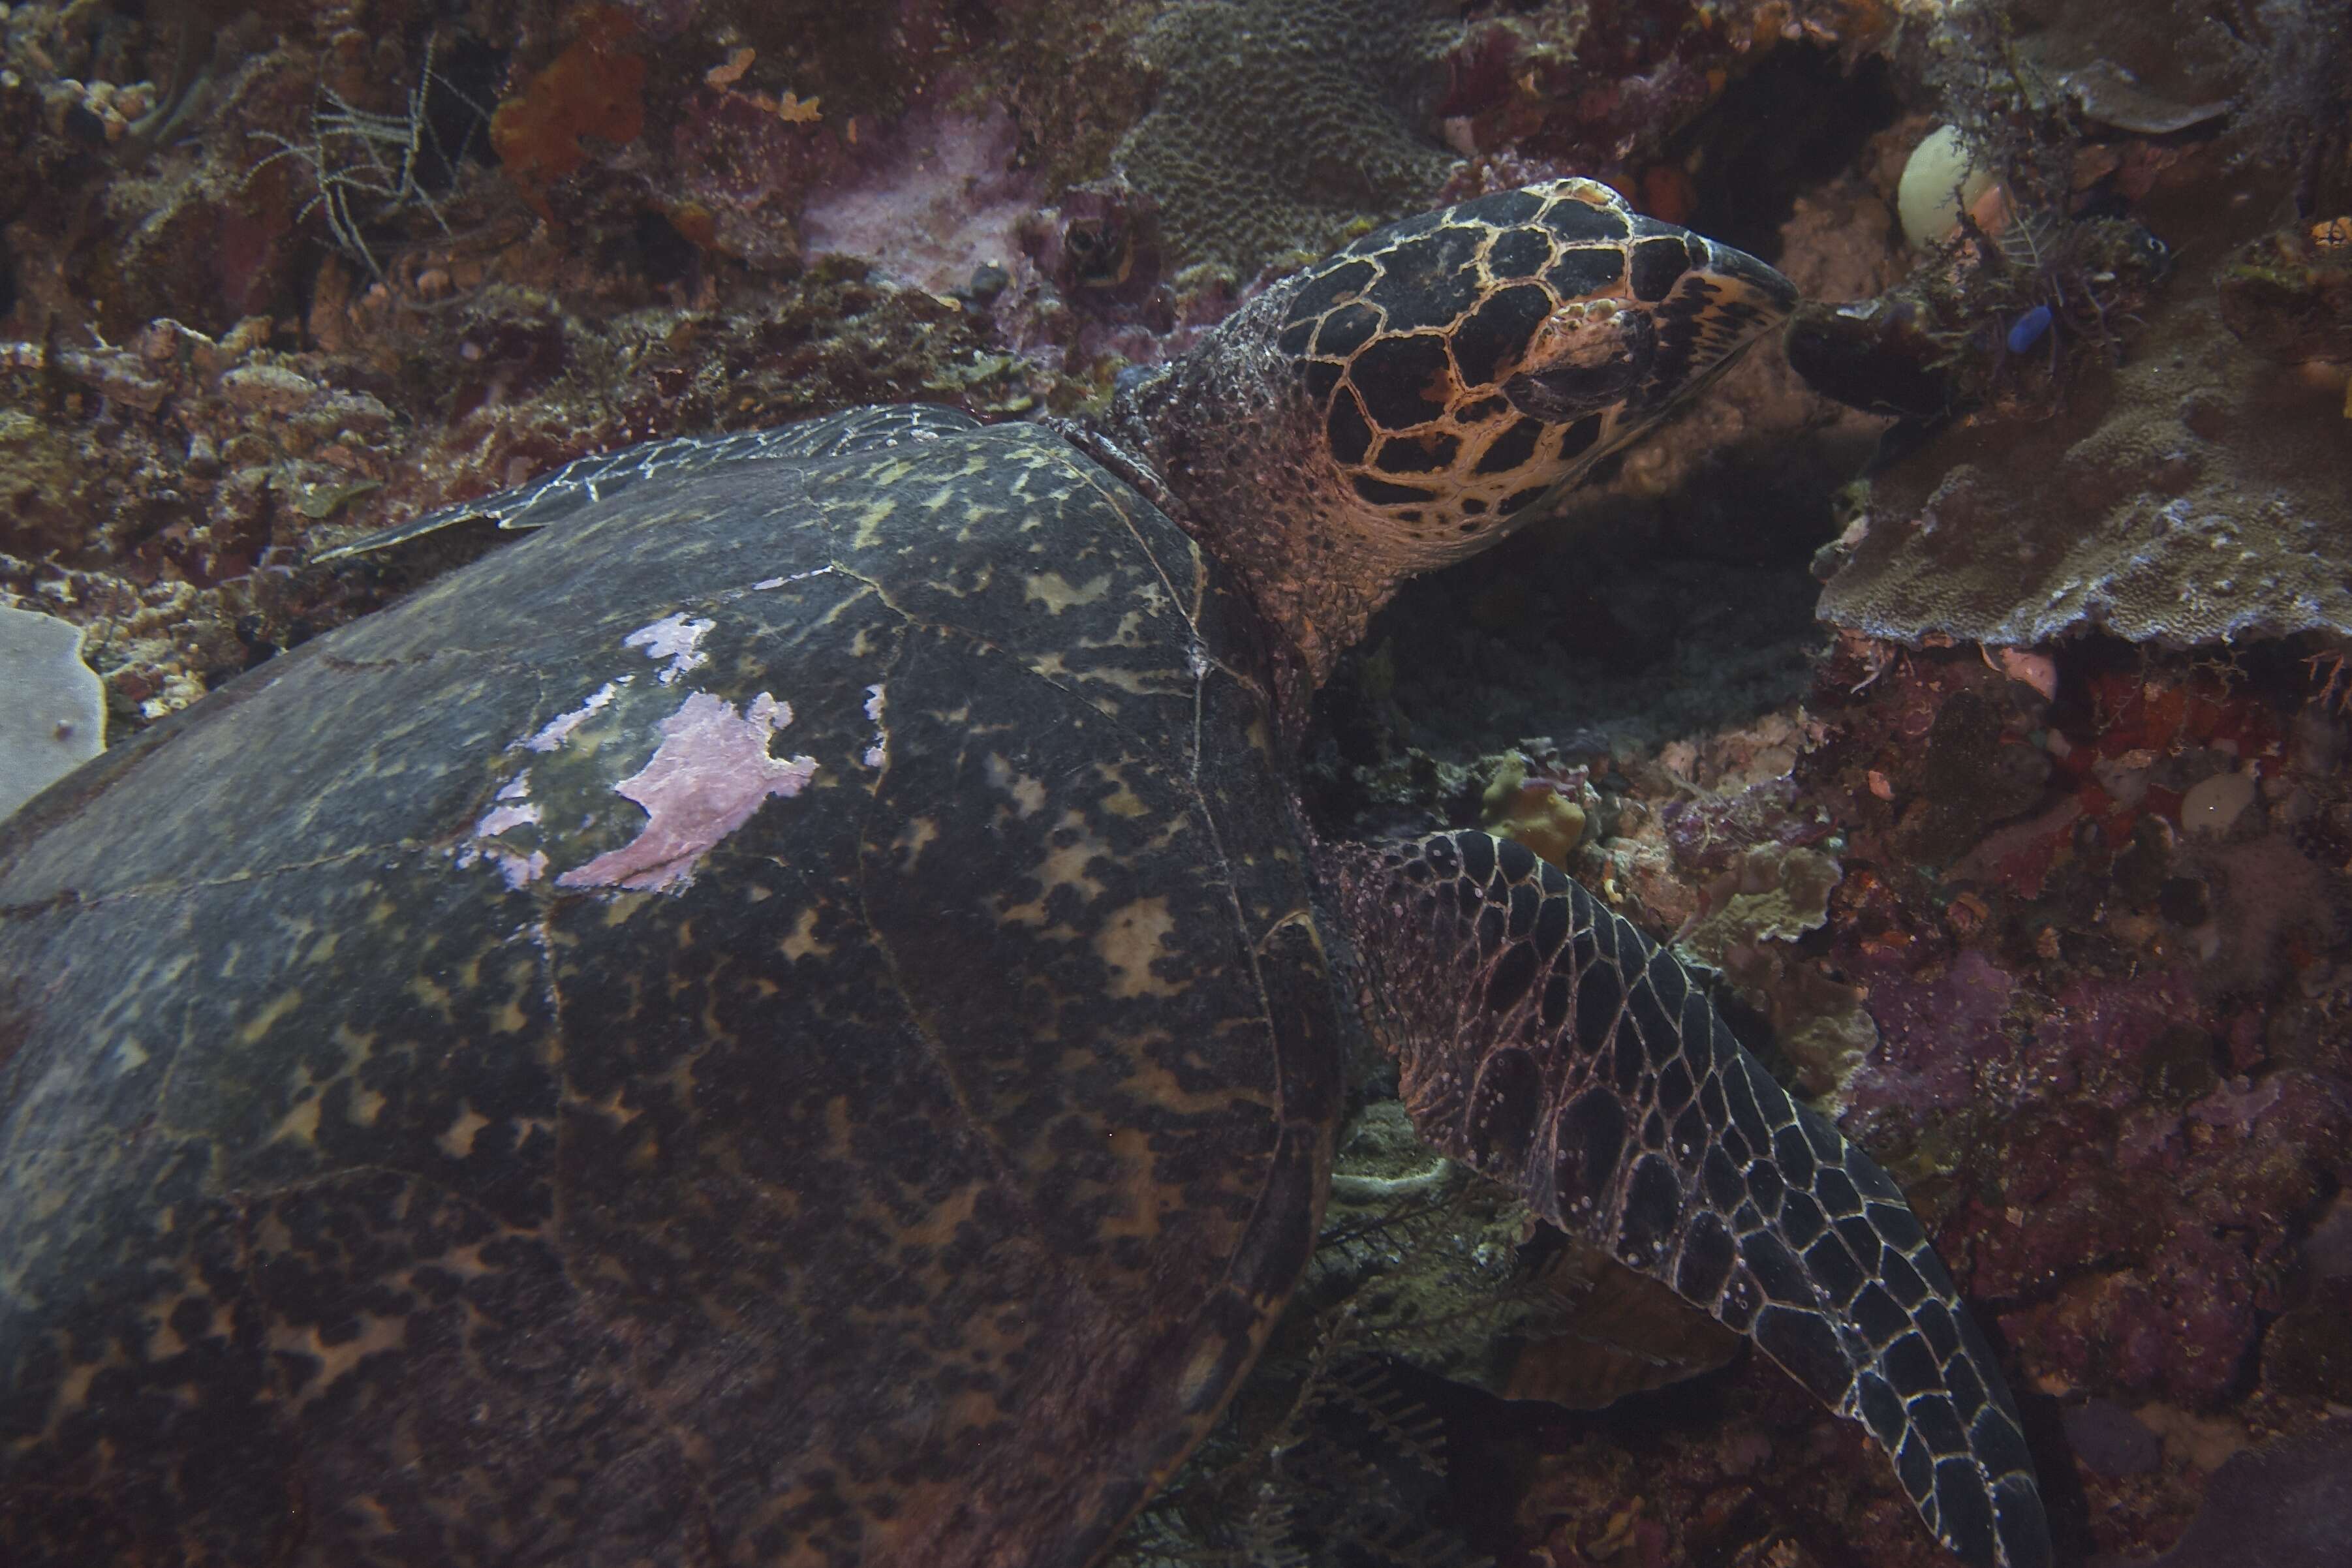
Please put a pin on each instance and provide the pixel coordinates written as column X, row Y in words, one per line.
column 1142, row 683
column 870, row 519
column 1146, row 1199
column 433, row 995
column 277, row 1007
column 1028, row 794
column 803, row 941
column 1129, row 635
column 73, row 1388
column 164, row 1337
column 610, row 1109
column 456, row 1141
column 1129, row 942
column 912, row 840
column 376, row 1335
column 1054, row 592
column 938, row 1223
column 1063, row 865
column 299, row 1126
column 1121, row 801
column 1205, row 1364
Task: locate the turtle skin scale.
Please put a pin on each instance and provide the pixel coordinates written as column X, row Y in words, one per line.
column 791, row 1018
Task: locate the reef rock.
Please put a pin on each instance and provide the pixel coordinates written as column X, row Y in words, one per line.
column 2207, row 496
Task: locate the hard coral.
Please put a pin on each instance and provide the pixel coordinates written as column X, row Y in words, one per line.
column 1279, row 123
column 2201, row 496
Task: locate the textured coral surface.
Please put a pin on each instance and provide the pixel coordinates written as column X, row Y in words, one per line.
column 2200, row 493
column 1279, row 123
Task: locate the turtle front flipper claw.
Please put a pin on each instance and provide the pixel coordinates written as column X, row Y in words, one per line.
column 1548, row 1043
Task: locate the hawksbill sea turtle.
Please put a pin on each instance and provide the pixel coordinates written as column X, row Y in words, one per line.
column 793, row 1016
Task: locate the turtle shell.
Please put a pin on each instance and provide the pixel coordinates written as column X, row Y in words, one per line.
column 777, row 1021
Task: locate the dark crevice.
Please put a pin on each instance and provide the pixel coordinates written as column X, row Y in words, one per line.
column 1799, row 120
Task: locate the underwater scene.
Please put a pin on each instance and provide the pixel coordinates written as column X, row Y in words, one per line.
column 1310, row 783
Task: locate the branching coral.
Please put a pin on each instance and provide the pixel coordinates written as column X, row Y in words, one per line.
column 365, row 169
column 2295, row 108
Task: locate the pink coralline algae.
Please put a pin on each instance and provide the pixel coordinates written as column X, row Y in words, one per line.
column 1936, row 1038
column 710, row 772
column 2141, row 1200
column 2105, row 1064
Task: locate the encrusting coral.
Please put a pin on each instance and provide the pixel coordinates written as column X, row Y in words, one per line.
column 1279, row 123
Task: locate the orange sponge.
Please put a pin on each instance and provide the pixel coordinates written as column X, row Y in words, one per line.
column 595, row 87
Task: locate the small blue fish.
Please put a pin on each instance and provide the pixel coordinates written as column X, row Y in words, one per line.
column 2028, row 328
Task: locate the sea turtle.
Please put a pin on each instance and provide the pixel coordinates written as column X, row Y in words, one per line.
column 793, row 1016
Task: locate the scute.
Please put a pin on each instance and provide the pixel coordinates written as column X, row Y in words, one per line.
column 914, row 1176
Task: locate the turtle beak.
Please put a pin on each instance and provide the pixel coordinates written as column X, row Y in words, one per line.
column 1738, row 276
column 1715, row 311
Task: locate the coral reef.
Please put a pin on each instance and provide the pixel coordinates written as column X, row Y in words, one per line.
column 2063, row 928
column 595, row 88
column 2091, row 444
column 2199, row 496
column 1279, row 123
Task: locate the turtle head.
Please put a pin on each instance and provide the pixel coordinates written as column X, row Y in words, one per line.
column 1404, row 401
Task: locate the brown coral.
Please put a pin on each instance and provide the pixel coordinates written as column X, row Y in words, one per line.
column 1281, row 122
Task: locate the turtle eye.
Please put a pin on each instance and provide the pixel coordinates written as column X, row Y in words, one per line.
column 1587, row 358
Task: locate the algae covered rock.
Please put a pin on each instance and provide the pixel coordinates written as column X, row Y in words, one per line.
column 2203, row 494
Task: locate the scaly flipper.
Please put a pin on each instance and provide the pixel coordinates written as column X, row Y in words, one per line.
column 1550, row 1045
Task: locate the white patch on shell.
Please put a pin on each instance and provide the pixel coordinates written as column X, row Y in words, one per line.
column 559, row 728
column 676, row 638
column 516, row 809
column 498, row 818
column 710, row 773
column 879, row 754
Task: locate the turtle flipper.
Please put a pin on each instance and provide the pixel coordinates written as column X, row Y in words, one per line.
column 1546, row 1042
